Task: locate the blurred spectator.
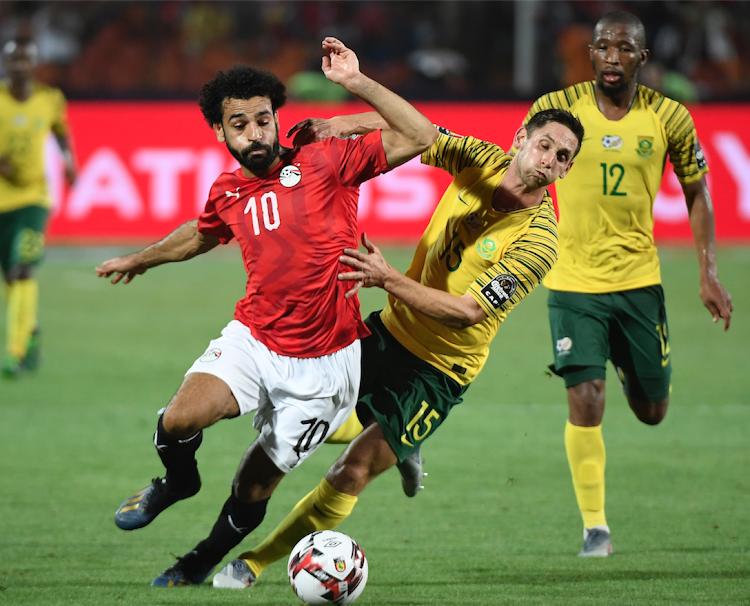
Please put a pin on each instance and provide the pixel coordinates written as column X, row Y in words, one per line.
column 573, row 51
column 670, row 83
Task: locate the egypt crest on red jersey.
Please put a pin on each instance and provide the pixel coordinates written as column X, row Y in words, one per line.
column 292, row 224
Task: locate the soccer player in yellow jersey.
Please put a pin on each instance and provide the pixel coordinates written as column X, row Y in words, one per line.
column 490, row 242
column 29, row 111
column 605, row 297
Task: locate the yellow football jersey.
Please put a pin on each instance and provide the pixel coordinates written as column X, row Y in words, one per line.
column 498, row 257
column 606, row 201
column 24, row 128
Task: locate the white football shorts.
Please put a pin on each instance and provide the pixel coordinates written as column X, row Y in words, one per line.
column 299, row 401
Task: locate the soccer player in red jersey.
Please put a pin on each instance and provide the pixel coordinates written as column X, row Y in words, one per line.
column 292, row 351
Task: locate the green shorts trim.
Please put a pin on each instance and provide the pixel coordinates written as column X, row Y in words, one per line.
column 22, row 237
column 627, row 327
column 408, row 397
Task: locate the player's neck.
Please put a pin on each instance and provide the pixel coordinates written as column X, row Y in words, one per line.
column 513, row 194
column 615, row 106
column 253, row 175
column 20, row 89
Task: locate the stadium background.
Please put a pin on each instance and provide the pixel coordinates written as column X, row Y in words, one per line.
column 146, row 165
column 498, row 522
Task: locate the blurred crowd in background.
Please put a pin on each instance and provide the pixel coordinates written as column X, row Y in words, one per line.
column 447, row 50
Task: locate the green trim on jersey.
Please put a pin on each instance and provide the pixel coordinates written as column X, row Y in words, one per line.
column 469, row 247
column 606, row 200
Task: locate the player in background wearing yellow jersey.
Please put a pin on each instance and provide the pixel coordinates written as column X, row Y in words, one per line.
column 606, row 299
column 490, row 242
column 29, row 111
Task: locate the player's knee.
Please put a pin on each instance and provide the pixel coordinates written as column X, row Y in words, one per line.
column 183, row 421
column 586, row 403
column 651, row 413
column 25, row 272
column 349, row 475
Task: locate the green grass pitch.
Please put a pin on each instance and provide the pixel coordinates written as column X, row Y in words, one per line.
column 497, row 523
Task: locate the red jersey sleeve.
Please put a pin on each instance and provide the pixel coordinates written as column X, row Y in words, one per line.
column 358, row 159
column 209, row 222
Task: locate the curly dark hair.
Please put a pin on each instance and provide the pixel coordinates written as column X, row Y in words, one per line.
column 239, row 82
column 560, row 116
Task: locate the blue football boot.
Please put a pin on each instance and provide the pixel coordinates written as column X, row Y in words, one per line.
column 141, row 508
column 188, row 570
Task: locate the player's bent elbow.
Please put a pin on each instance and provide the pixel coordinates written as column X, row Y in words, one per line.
column 427, row 138
column 467, row 318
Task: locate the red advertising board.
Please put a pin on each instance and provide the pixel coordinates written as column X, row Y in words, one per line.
column 147, row 167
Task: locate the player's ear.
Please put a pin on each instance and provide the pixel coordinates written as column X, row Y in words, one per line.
column 564, row 173
column 519, row 138
column 219, row 132
column 645, row 54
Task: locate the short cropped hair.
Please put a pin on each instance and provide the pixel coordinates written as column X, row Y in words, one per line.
column 239, row 82
column 625, row 18
column 560, row 116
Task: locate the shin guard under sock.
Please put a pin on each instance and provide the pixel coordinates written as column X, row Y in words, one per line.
column 178, row 455
column 586, row 456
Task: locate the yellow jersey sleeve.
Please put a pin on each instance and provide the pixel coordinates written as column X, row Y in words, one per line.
column 454, row 153
column 522, row 268
column 59, row 126
column 683, row 147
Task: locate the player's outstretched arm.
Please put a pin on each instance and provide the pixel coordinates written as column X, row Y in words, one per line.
column 313, row 130
column 182, row 244
column 716, row 299
column 410, row 132
column 371, row 269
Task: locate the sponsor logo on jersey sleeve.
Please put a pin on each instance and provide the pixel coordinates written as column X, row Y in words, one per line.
column 211, row 355
column 645, row 146
column 290, row 176
column 500, row 290
column 700, row 158
column 445, row 131
column 612, row 141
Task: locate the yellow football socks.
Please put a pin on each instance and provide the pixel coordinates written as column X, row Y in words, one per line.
column 347, row 432
column 585, row 448
column 23, row 300
column 324, row 508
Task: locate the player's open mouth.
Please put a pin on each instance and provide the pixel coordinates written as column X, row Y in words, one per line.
column 611, row 77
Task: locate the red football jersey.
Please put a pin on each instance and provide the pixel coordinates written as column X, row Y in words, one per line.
column 292, row 225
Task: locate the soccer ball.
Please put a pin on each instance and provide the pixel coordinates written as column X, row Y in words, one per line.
column 327, row 567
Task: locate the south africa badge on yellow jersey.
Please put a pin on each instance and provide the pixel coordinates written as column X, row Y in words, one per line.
column 645, row 146
column 486, row 248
